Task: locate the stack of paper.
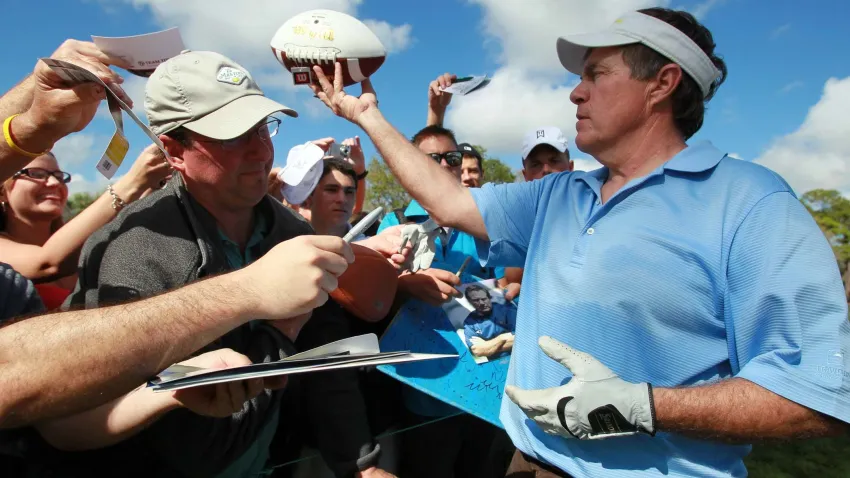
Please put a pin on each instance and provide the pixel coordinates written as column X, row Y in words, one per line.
column 360, row 351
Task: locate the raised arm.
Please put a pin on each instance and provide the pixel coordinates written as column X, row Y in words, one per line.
column 438, row 101
column 58, row 364
column 446, row 200
column 58, row 256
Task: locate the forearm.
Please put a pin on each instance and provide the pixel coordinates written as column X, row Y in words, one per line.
column 360, row 197
column 114, row 348
column 738, row 410
column 109, row 423
column 445, row 198
column 435, row 117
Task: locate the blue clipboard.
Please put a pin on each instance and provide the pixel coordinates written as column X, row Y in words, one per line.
column 474, row 388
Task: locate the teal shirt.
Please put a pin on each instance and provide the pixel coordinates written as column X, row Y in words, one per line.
column 449, row 256
column 253, row 461
column 236, row 259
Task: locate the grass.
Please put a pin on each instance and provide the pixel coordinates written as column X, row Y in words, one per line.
column 823, row 458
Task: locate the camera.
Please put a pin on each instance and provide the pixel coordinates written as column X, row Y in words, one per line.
column 344, row 150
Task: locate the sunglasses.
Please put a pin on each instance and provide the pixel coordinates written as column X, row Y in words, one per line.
column 266, row 131
column 453, row 158
column 41, row 174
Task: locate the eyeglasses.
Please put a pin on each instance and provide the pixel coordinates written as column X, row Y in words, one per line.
column 453, row 158
column 266, row 131
column 41, row 174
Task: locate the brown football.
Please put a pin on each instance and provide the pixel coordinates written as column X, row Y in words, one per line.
column 367, row 288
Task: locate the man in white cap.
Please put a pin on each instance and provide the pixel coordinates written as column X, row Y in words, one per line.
column 212, row 217
column 544, row 151
column 700, row 302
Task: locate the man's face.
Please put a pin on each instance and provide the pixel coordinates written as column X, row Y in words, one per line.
column 544, row 160
column 470, row 172
column 441, row 144
column 481, row 302
column 332, row 203
column 237, row 170
column 611, row 104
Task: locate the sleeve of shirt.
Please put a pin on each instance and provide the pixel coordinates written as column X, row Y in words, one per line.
column 785, row 309
column 18, row 296
column 508, row 211
column 468, row 333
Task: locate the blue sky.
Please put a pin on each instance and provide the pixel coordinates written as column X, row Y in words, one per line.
column 777, row 106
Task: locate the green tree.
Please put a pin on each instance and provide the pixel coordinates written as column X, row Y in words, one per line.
column 495, row 171
column 77, row 202
column 382, row 189
column 831, row 211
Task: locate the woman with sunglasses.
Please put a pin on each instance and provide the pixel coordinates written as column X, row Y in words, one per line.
column 33, row 239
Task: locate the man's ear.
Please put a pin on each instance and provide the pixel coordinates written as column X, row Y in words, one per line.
column 175, row 150
column 666, row 81
column 524, row 176
column 572, row 165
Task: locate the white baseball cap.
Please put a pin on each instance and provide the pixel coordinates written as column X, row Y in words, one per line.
column 636, row 27
column 545, row 135
column 303, row 171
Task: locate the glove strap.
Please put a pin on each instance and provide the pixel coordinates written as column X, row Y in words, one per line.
column 651, row 411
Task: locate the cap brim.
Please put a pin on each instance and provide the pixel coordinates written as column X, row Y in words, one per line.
column 573, row 48
column 237, row 117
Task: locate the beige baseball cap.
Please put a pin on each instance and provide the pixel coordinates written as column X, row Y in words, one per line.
column 207, row 93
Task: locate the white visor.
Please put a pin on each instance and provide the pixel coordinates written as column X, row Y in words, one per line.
column 636, row 27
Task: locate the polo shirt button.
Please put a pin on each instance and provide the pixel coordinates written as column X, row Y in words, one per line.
column 590, row 231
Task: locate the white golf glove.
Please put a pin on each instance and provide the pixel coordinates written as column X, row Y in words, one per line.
column 594, row 404
column 422, row 238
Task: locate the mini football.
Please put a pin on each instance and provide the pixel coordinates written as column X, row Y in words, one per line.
column 367, row 288
column 322, row 37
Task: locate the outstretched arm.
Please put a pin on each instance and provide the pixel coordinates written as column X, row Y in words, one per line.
column 124, row 417
column 58, row 364
column 446, row 200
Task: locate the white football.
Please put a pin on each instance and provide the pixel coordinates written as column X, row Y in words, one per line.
column 322, row 37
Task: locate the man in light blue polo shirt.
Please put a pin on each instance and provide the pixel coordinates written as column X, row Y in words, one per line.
column 699, row 303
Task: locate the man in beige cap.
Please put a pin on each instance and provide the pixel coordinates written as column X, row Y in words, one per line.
column 212, row 217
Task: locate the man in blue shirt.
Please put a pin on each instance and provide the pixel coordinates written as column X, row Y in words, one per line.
column 674, row 265
column 489, row 329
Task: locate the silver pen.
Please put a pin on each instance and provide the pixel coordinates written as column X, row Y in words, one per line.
column 363, row 224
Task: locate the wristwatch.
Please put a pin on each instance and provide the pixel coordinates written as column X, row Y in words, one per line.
column 362, row 176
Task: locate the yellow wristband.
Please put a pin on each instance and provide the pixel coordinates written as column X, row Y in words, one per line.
column 7, row 133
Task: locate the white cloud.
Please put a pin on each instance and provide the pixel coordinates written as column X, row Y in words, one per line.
column 791, row 87
column 76, row 149
column 779, row 31
column 82, row 184
column 734, row 156
column 702, row 9
column 530, row 88
column 499, row 115
column 817, row 154
column 525, row 34
column 395, row 39
column 586, row 164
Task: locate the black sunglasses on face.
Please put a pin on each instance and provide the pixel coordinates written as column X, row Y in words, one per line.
column 453, row 158
column 41, row 174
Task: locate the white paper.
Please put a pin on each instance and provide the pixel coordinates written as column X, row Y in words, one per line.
column 360, row 351
column 144, row 52
column 466, row 87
